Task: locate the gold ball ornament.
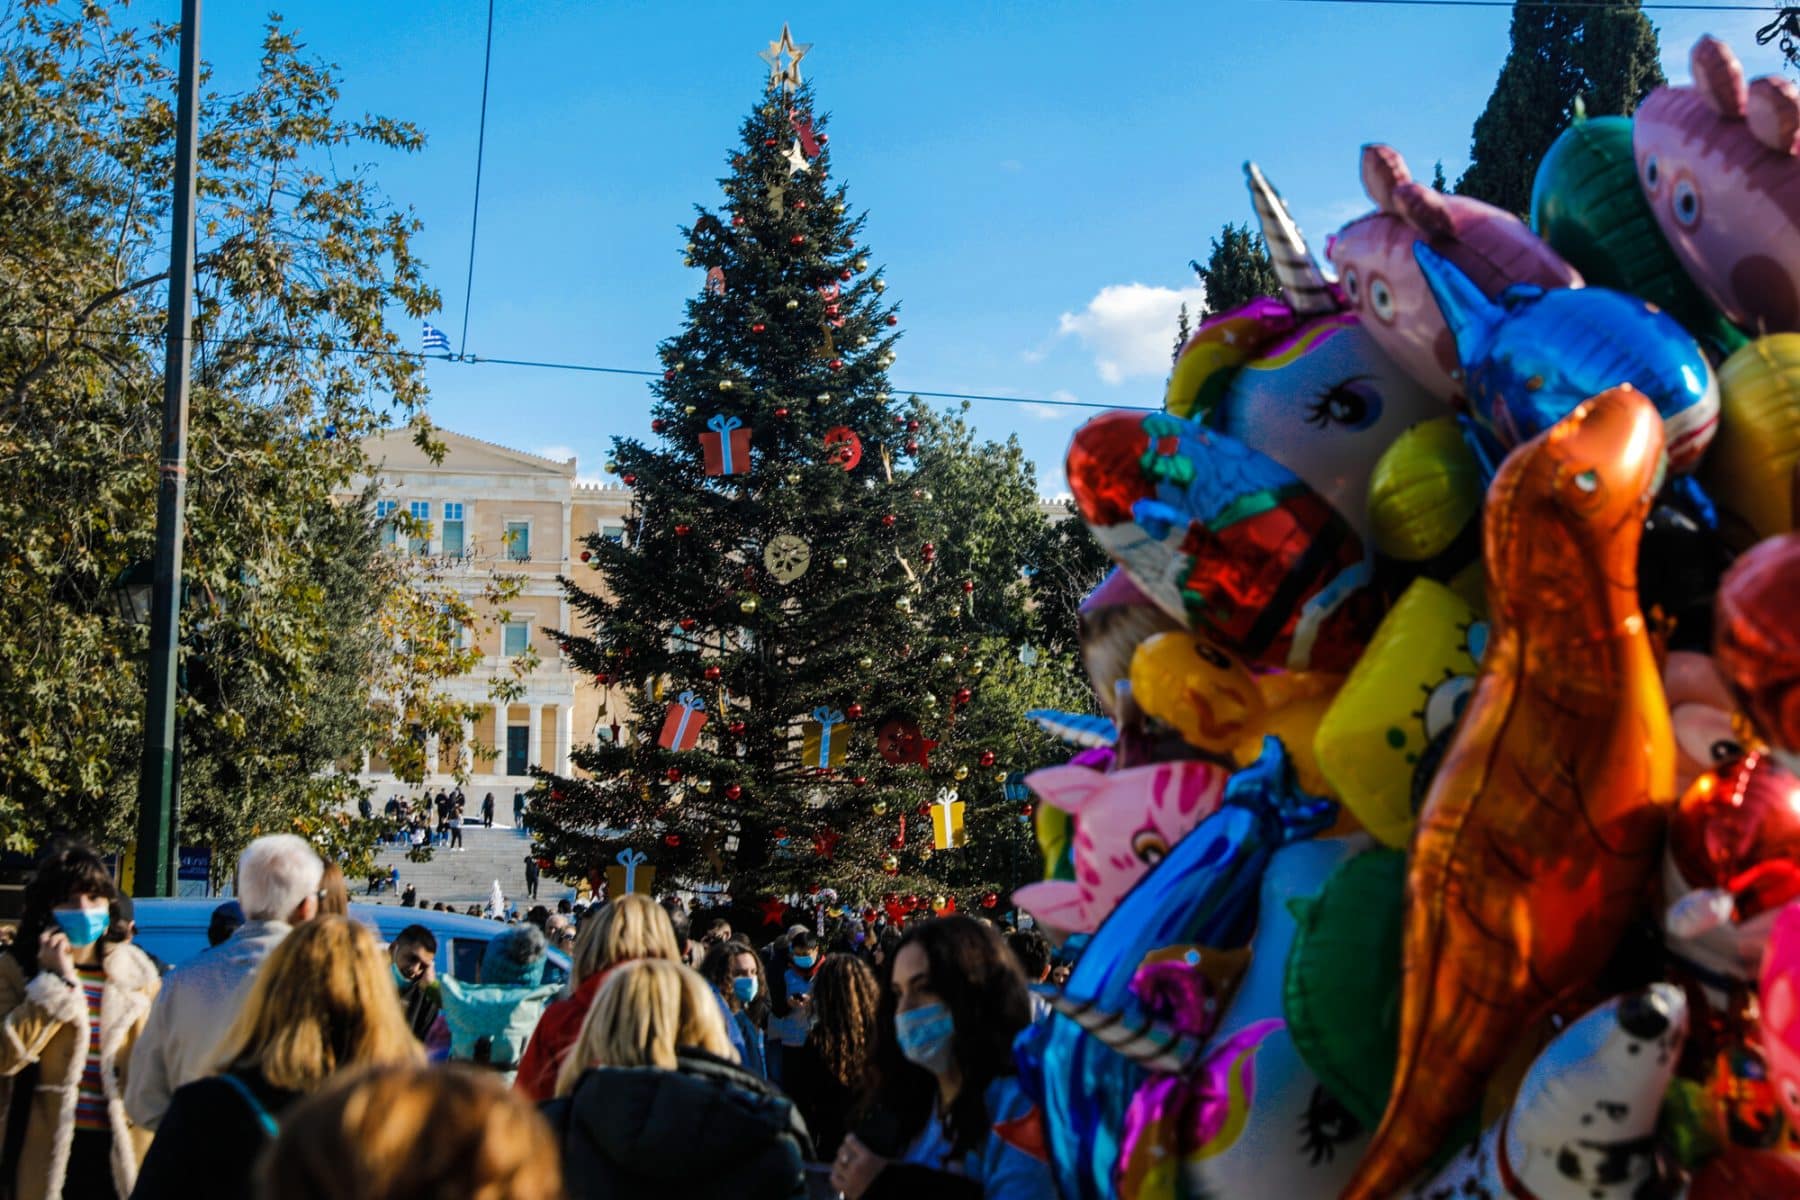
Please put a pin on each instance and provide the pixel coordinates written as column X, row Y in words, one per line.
column 865, row 663
column 882, row 397
column 612, row 468
column 824, row 397
column 999, row 776
column 839, row 562
column 931, row 700
column 904, row 604
column 946, row 659
column 978, row 666
column 881, row 285
column 861, row 264
column 879, row 808
column 961, row 773
column 748, row 604
column 890, row 863
column 925, row 854
column 939, row 904
column 703, row 786
column 838, row 208
column 725, row 385
column 687, row 261
column 793, row 304
column 682, row 365
column 793, row 477
column 690, row 409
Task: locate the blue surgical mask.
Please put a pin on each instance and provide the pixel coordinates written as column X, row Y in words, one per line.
column 927, row 1036
column 83, row 926
column 400, row 980
column 745, row 987
column 805, row 961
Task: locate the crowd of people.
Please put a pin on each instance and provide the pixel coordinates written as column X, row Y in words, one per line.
column 299, row 1058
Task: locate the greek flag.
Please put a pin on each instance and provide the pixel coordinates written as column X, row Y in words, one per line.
column 436, row 339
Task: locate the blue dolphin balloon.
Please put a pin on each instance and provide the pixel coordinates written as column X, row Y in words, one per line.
column 1203, row 893
column 1530, row 357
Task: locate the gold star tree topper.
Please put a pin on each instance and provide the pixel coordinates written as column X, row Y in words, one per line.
column 784, row 58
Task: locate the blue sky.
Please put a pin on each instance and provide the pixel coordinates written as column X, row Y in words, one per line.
column 1037, row 174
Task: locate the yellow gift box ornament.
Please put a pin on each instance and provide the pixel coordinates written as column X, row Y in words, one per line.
column 947, row 831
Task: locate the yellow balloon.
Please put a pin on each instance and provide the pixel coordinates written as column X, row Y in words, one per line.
column 1403, row 696
column 1425, row 505
column 1217, row 704
column 1749, row 469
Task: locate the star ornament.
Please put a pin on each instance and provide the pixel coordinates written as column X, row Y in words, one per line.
column 784, row 58
column 796, row 159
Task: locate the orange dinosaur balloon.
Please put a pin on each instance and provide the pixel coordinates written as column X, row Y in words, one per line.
column 1541, row 829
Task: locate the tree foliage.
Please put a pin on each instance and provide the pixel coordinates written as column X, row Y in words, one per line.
column 299, row 262
column 1604, row 55
column 1236, row 271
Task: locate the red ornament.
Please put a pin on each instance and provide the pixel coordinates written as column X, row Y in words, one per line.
column 782, row 413
column 831, row 310
column 668, row 376
column 737, row 219
column 1025, row 809
column 758, row 327
column 860, row 780
column 837, row 364
column 736, row 729
column 912, row 426
column 912, row 446
column 899, row 420
column 892, row 319
column 987, row 758
column 673, row 774
column 990, row 900
column 658, row 425
column 968, row 587
column 889, row 520
column 928, row 551
column 628, row 479
column 845, row 273
column 711, row 673
column 733, row 791
column 962, row 695
column 800, row 204
column 823, row 138
column 585, row 555
column 603, row 679
column 683, row 530
column 672, row 840
column 853, row 711
column 686, row 623
column 799, row 239
column 768, row 141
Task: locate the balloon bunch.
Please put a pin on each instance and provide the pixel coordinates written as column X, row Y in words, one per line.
column 1452, row 693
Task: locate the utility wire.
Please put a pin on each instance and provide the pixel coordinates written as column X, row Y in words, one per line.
column 530, row 363
column 1597, row 5
column 487, row 66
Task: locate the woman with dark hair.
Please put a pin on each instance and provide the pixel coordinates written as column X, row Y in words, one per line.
column 949, row 1119
column 72, row 1004
column 828, row 1077
column 736, row 974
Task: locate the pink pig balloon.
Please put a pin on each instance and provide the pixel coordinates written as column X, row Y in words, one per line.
column 1125, row 823
column 1719, row 162
column 1780, row 993
column 1383, row 284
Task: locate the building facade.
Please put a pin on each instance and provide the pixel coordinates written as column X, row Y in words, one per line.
column 491, row 509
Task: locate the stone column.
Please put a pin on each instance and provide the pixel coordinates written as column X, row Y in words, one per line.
column 534, row 736
column 565, row 734
column 467, row 756
column 431, row 755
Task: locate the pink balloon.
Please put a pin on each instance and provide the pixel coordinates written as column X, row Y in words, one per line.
column 1125, row 823
column 1780, row 993
column 1383, row 284
column 1718, row 162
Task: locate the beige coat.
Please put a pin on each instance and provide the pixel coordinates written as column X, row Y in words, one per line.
column 44, row 1020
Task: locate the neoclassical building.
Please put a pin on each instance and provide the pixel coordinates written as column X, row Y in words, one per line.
column 492, row 509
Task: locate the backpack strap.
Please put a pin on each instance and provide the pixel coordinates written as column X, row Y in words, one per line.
column 256, row 1106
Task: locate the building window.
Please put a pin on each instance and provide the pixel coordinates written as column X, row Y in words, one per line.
column 384, row 515
column 515, row 639
column 518, row 541
column 613, row 533
column 420, row 542
column 453, row 530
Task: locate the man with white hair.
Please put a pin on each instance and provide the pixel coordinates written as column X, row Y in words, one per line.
column 278, row 881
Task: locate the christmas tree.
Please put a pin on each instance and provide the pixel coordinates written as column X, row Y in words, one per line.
column 803, row 648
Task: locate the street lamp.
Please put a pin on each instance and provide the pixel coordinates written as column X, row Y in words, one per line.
column 131, row 592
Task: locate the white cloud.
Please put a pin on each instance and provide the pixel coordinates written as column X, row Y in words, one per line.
column 1052, row 484
column 559, row 453
column 1130, row 327
column 1053, row 412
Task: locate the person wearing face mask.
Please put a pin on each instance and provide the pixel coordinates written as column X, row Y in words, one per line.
column 790, row 996
column 948, row 1118
column 412, row 961
column 72, row 1005
column 736, row 974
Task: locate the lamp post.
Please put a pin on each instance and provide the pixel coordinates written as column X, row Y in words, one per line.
column 157, row 774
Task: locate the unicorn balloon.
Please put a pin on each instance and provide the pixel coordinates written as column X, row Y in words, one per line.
column 1299, row 378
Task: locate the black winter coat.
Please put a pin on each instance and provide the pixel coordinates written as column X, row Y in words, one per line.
column 208, row 1142
column 708, row 1129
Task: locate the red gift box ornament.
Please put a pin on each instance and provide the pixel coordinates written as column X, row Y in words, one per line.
column 727, row 447
column 682, row 723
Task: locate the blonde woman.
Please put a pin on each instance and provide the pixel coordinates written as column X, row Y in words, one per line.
column 651, row 1104
column 631, row 927
column 323, row 1001
column 413, row 1133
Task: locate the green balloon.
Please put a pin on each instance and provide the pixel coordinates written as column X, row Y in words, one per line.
column 1587, row 204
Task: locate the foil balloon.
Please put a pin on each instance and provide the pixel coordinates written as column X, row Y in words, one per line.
column 1757, row 643
column 1274, row 1130
column 1541, row 828
column 1531, row 357
column 1220, row 706
column 1700, row 709
column 1425, row 508
column 1738, row 1173
column 1780, row 990
column 1125, row 823
column 1403, row 699
column 1583, row 1126
column 1750, row 468
column 1733, row 861
column 1110, row 623
column 1586, row 203
column 1717, row 162
column 1086, row 1062
column 1298, row 377
column 1680, row 562
column 1221, row 536
column 1382, row 281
